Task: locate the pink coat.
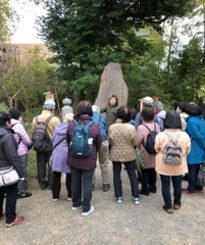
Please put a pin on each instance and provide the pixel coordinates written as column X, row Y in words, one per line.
column 21, row 137
column 142, row 133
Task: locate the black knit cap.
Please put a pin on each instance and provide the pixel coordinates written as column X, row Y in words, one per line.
column 14, row 113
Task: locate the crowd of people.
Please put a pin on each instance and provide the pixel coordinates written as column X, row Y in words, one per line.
column 113, row 136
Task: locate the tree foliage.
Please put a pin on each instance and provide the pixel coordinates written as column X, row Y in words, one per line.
column 26, row 79
column 5, row 15
column 86, row 35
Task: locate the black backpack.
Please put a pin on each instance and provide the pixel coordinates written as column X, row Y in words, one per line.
column 40, row 137
column 81, row 143
column 149, row 147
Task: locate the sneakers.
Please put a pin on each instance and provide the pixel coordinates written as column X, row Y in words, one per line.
column 24, row 195
column 106, row 187
column 76, row 208
column 200, row 190
column 55, row 200
column 176, row 207
column 189, row 192
column 168, row 210
column 88, row 212
column 137, row 200
column 69, row 198
column 119, row 199
column 17, row 221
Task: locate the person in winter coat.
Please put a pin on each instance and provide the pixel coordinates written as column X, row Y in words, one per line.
column 111, row 111
column 171, row 172
column 104, row 151
column 44, row 171
column 24, row 144
column 82, row 169
column 59, row 159
column 9, row 158
column 122, row 138
column 148, row 102
column 149, row 177
column 196, row 130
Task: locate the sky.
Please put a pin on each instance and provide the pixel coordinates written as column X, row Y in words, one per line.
column 25, row 31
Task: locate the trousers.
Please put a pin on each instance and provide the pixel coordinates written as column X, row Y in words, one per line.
column 11, row 197
column 103, row 155
column 44, row 171
column 56, row 184
column 81, row 186
column 130, row 167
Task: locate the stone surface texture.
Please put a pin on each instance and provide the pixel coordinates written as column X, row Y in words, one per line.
column 112, row 82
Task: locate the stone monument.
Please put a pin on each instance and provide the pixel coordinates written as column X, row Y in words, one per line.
column 112, row 82
column 66, row 107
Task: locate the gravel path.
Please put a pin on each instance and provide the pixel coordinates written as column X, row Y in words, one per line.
column 51, row 223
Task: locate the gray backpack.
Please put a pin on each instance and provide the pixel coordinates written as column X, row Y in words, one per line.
column 40, row 137
column 173, row 151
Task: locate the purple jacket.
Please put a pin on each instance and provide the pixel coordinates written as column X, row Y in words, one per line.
column 21, row 136
column 89, row 162
column 60, row 153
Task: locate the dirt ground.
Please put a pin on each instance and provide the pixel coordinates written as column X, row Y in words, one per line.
column 51, row 223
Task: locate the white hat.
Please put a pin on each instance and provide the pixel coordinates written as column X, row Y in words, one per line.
column 49, row 104
column 147, row 101
column 95, row 108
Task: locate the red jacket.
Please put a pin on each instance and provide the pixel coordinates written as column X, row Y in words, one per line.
column 89, row 162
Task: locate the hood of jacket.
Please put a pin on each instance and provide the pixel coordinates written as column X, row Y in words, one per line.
column 60, row 129
column 190, row 116
column 4, row 130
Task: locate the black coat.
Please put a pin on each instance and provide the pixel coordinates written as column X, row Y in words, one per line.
column 8, row 151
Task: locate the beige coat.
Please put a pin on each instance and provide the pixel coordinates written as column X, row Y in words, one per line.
column 51, row 125
column 161, row 141
column 142, row 133
column 122, row 138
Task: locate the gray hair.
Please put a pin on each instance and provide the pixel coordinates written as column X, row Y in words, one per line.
column 68, row 117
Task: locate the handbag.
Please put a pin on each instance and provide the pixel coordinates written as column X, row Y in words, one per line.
column 140, row 160
column 8, row 177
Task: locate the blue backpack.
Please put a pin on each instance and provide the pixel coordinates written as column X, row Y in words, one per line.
column 81, row 142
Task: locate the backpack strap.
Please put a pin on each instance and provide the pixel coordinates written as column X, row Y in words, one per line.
column 90, row 123
column 171, row 139
column 16, row 133
column 146, row 127
column 75, row 122
column 149, row 128
column 60, row 141
column 46, row 122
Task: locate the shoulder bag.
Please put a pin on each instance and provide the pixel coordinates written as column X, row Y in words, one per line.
column 8, row 177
